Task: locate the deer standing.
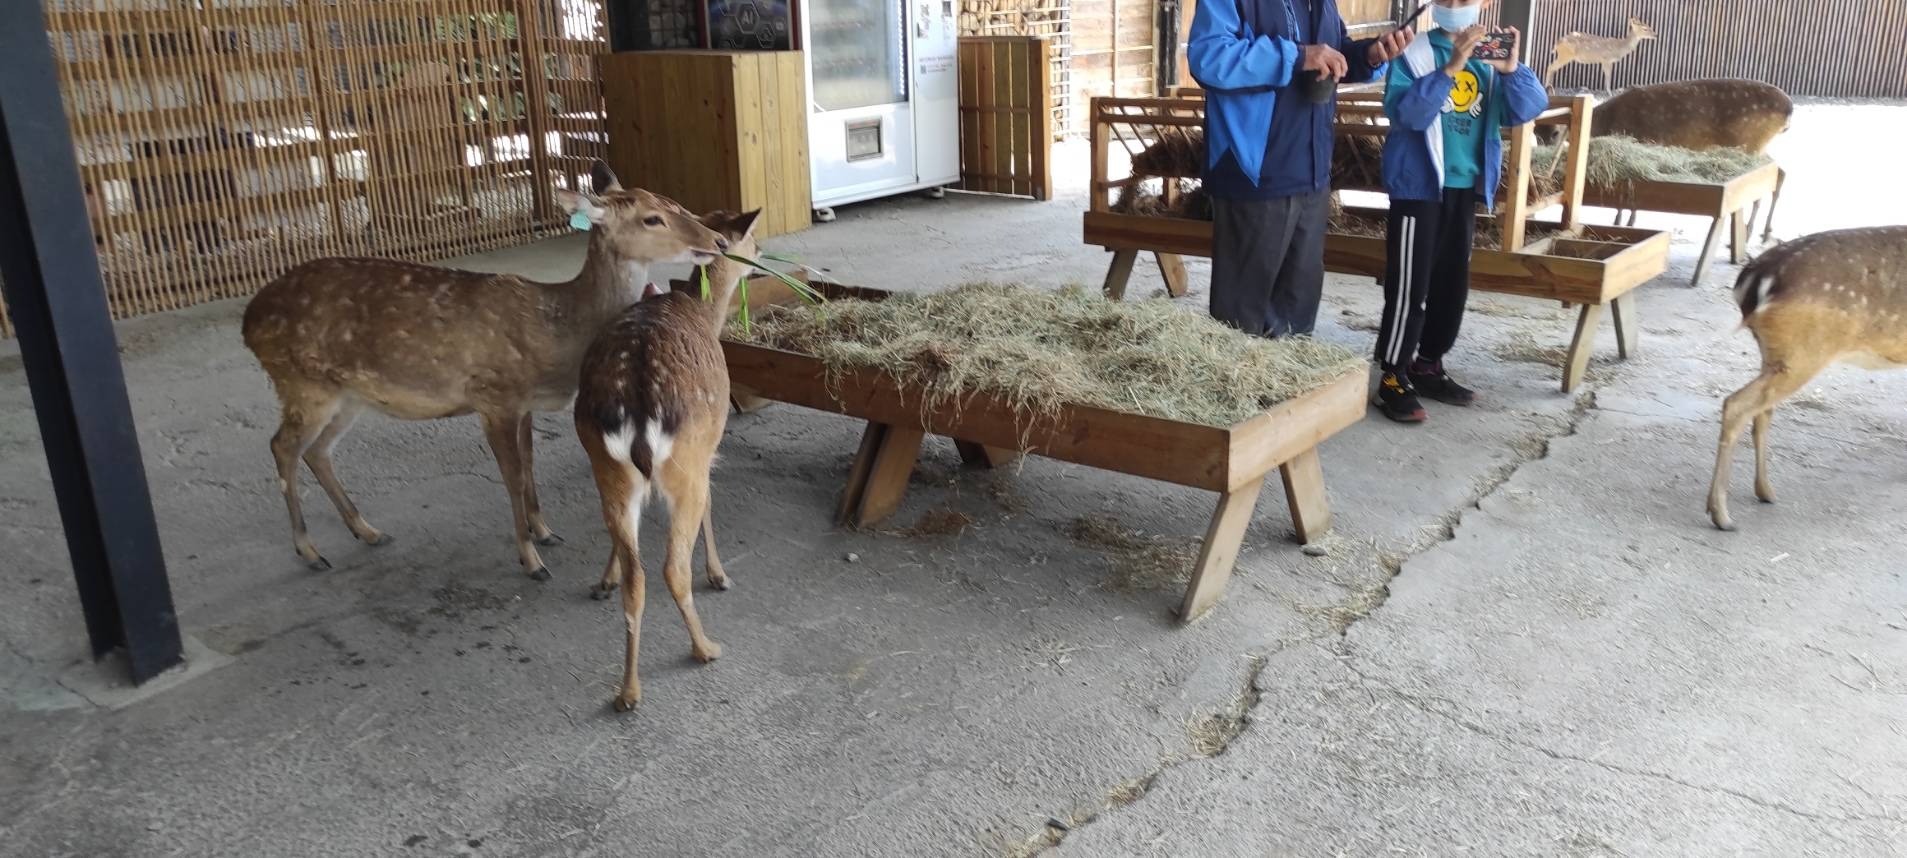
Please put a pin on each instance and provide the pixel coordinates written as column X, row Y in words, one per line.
column 650, row 411
column 1715, row 113
column 1830, row 296
column 418, row 342
column 1598, row 50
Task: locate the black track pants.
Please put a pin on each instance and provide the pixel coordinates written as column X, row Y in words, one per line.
column 1426, row 277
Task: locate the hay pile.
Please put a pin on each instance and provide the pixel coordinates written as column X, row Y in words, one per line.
column 1038, row 350
column 1180, row 154
column 1617, row 163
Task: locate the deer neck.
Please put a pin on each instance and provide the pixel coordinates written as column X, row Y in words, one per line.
column 725, row 275
column 607, row 285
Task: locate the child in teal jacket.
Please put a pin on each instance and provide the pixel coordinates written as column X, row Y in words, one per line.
column 1443, row 155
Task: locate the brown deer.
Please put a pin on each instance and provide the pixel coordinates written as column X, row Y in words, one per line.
column 650, row 411
column 417, row 342
column 1598, row 50
column 1831, row 296
column 1715, row 113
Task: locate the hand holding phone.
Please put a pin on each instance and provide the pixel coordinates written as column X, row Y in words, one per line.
column 1498, row 48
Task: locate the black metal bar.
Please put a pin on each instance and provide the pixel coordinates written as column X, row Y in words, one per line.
column 58, row 302
column 1520, row 14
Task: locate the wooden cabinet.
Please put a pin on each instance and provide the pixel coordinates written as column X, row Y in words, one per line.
column 713, row 130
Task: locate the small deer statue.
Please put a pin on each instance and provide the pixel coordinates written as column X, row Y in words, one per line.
column 1830, row 296
column 650, row 411
column 417, row 342
column 1598, row 50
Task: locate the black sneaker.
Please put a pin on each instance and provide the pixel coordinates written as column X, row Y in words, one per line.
column 1398, row 401
column 1437, row 384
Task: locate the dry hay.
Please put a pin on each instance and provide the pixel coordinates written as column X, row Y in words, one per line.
column 1175, row 154
column 1037, row 351
column 1146, row 200
column 1486, row 237
column 939, row 522
column 1140, row 561
column 1617, row 163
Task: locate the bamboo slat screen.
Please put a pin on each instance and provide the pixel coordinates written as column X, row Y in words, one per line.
column 223, row 141
column 1006, row 116
column 1839, row 48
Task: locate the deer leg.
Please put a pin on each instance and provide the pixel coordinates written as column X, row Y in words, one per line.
column 1755, row 399
column 717, row 576
column 527, row 443
column 299, row 426
column 1764, row 490
column 1549, row 74
column 1607, row 69
column 1768, row 229
column 685, row 486
column 622, row 530
column 502, row 434
column 318, row 458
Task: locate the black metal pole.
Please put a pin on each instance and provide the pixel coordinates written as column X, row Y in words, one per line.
column 58, row 303
column 1520, row 14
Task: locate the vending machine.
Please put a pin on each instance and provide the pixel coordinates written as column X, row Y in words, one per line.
column 883, row 91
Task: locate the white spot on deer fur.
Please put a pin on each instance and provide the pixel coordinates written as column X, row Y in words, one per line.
column 617, row 443
column 660, row 444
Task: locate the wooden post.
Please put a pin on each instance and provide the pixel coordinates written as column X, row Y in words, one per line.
column 1043, row 135
column 888, row 469
column 1219, row 554
column 1576, row 365
column 1516, row 209
column 1738, row 238
column 1708, row 248
column 1101, row 198
column 1119, row 273
column 1623, row 311
column 1581, row 113
column 1172, row 268
column 1304, row 494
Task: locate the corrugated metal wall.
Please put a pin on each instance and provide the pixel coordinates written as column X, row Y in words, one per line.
column 1847, row 48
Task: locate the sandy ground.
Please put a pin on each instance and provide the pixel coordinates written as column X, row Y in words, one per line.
column 1524, row 639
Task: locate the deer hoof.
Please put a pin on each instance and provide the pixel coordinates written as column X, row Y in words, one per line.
column 549, row 539
column 601, row 592
column 377, row 539
column 626, row 701
column 540, row 573
column 319, row 565
column 721, row 582
column 706, row 654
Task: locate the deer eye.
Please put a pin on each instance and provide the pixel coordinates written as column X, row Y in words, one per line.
column 652, row 220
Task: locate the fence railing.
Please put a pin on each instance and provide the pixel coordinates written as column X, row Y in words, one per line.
column 1006, row 115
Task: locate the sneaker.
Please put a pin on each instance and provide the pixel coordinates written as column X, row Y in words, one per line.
column 1398, row 401
column 1436, row 383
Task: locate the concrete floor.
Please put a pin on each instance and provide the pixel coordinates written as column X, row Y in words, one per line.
column 1525, row 637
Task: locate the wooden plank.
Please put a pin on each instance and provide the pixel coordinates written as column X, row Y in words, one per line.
column 1119, row 274
column 1172, row 270
column 1628, row 328
column 1517, row 195
column 1576, row 362
column 1219, row 553
column 769, row 128
column 1043, row 131
column 1582, row 113
column 1294, row 426
column 1303, row 477
column 797, row 185
column 987, row 121
column 750, row 135
column 887, row 474
column 1022, row 100
column 872, row 435
column 1117, row 231
column 1170, row 451
column 1003, row 85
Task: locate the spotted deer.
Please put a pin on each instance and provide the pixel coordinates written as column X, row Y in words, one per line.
column 341, row 336
column 1598, row 50
column 1827, row 297
column 650, row 410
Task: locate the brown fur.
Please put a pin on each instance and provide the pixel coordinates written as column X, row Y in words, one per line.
column 1698, row 114
column 1598, row 50
column 1832, row 296
column 339, row 336
column 655, row 385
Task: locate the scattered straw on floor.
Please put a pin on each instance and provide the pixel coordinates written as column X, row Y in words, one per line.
column 939, row 522
column 1140, row 562
column 1039, row 350
column 1615, row 163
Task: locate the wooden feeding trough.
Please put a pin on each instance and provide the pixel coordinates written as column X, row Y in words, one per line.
column 1232, row 461
column 1564, row 260
column 1734, row 203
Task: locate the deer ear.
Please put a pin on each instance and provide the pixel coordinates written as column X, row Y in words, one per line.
column 603, row 179
column 580, row 207
column 744, row 224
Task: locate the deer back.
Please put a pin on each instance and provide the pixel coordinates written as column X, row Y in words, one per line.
column 1839, row 292
column 1698, row 114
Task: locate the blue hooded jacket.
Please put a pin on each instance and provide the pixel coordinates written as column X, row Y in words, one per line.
column 1414, row 97
column 1263, row 138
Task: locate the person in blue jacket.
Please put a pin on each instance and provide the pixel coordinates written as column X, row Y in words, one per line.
column 1268, row 149
column 1443, row 154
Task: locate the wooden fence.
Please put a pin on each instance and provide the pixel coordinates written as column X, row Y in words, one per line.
column 1844, row 48
column 1006, row 116
column 221, row 144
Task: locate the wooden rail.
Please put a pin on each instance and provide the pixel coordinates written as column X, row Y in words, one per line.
column 1006, row 115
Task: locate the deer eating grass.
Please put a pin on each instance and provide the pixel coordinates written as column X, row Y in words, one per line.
column 341, row 336
column 1831, row 296
column 1716, row 113
column 1598, row 50
column 650, row 410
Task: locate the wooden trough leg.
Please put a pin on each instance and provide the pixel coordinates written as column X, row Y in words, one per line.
column 1577, row 362
column 982, row 456
column 1220, row 551
column 1738, row 238
column 745, row 400
column 871, row 436
column 1172, row 268
column 1708, row 249
column 884, row 464
column 1304, row 493
column 1119, row 273
column 1628, row 330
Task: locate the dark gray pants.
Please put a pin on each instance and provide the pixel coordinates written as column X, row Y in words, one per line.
column 1268, row 263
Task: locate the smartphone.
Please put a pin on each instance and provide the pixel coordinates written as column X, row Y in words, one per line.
column 1496, row 45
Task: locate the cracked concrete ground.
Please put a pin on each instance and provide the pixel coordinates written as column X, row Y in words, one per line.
column 1567, row 661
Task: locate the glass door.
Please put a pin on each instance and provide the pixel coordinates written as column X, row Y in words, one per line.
column 858, row 52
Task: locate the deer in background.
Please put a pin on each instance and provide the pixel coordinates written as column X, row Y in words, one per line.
column 1832, row 296
column 1598, row 50
column 650, row 411
column 418, row 342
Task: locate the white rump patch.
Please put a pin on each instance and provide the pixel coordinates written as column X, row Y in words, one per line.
column 618, row 443
column 659, row 443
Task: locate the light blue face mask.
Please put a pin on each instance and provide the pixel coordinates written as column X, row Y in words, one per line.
column 1457, row 18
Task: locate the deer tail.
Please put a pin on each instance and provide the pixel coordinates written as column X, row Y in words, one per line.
column 1754, row 287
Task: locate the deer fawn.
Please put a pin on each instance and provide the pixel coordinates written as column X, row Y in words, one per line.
column 650, row 410
column 417, row 342
column 1598, row 50
column 1831, row 296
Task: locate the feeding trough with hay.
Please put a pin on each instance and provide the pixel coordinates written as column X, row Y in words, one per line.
column 1142, row 388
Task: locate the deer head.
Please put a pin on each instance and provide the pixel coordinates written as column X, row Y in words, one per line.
column 635, row 225
column 1640, row 29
